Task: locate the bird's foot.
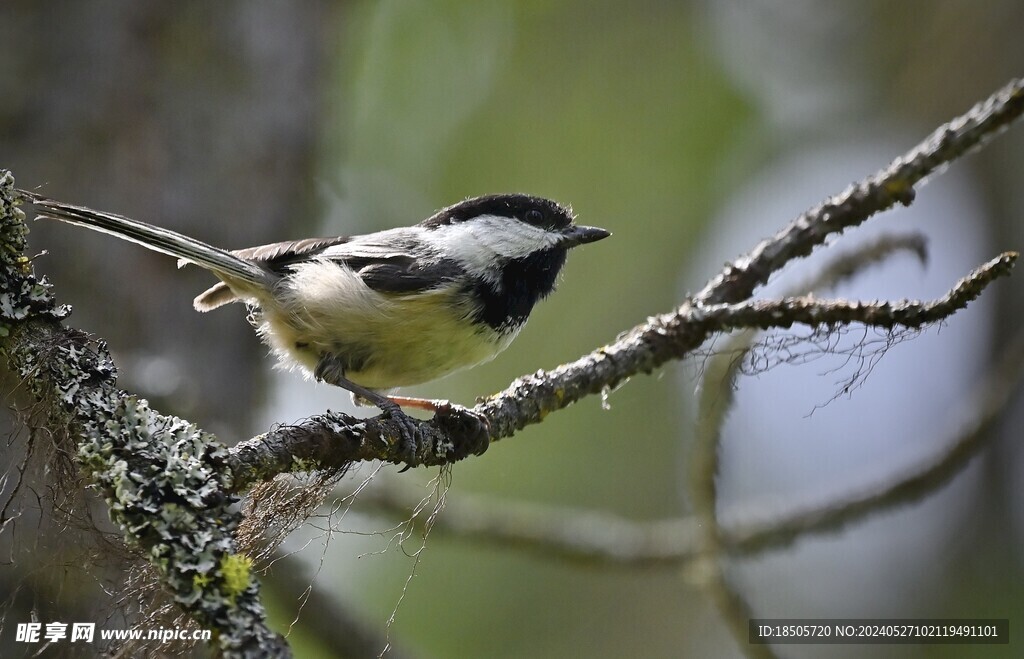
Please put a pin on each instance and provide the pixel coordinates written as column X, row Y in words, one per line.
column 472, row 428
column 409, row 436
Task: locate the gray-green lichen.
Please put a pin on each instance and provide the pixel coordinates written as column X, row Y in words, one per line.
column 21, row 294
column 164, row 480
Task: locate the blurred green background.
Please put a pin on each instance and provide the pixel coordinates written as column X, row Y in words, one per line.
column 248, row 122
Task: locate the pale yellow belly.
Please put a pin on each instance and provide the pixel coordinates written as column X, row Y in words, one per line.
column 389, row 341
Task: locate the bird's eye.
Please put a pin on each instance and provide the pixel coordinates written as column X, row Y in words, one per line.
column 534, row 216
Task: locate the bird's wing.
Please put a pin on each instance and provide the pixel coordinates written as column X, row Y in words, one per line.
column 277, row 256
column 399, row 264
column 405, row 275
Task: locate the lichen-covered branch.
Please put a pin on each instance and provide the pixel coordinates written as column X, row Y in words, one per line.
column 164, row 480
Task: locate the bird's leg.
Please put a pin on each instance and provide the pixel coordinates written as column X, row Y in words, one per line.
column 331, row 370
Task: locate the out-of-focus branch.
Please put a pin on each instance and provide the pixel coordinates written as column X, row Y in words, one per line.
column 982, row 410
column 848, row 264
column 580, row 536
column 714, row 401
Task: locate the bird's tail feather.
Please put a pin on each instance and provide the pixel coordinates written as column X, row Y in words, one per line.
column 160, row 240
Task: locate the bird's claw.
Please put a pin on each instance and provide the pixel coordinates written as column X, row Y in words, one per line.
column 462, row 423
column 408, row 435
column 471, row 431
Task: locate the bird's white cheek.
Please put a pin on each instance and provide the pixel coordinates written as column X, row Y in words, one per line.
column 475, row 243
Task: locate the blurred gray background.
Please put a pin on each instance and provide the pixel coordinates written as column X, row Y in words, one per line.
column 689, row 129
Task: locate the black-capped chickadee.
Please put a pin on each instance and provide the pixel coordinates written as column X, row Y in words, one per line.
column 387, row 309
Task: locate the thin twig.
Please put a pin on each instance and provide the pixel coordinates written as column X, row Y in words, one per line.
column 767, row 314
column 892, row 185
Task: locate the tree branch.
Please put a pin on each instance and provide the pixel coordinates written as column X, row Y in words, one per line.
column 332, row 440
column 164, row 480
column 892, row 185
column 768, row 314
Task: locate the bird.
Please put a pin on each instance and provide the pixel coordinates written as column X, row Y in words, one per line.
column 374, row 312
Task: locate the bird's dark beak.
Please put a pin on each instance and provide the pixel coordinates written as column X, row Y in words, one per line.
column 576, row 235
